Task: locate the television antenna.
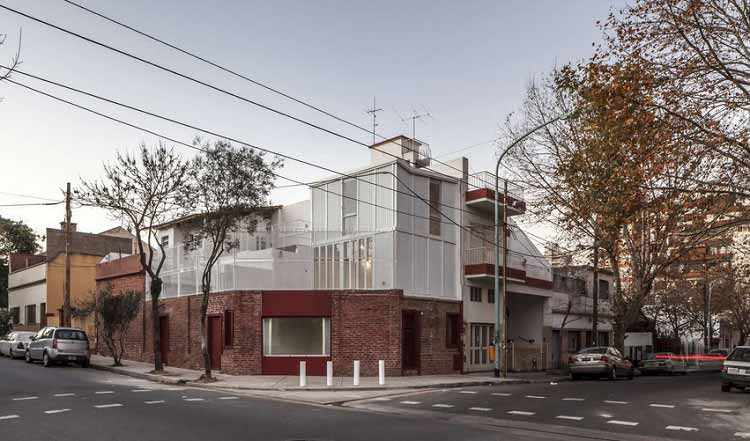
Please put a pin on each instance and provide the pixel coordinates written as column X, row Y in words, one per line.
column 374, row 111
column 415, row 116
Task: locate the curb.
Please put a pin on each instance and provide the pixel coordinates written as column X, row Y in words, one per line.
column 223, row 386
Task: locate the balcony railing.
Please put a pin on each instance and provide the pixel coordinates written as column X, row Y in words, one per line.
column 482, row 255
column 487, row 180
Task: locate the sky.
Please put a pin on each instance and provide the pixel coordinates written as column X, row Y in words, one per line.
column 465, row 63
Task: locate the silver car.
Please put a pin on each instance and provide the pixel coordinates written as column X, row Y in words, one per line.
column 14, row 344
column 600, row 361
column 59, row 345
column 663, row 363
column 736, row 370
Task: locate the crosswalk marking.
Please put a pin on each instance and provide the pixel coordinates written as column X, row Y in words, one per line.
column 141, row 390
column 107, row 406
column 64, row 395
column 615, row 402
column 229, row 398
column 480, row 409
column 573, row 399
column 154, row 402
column 568, row 417
column 742, row 434
column 25, row 398
column 8, row 417
column 411, row 402
column 707, row 409
column 520, row 412
column 500, row 394
column 622, row 423
column 194, row 399
column 104, row 392
column 443, row 406
column 467, row 392
column 50, row 412
column 685, row 429
column 665, row 406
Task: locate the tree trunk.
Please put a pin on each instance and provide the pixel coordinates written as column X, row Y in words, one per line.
column 204, row 338
column 560, row 345
column 595, row 300
column 156, row 285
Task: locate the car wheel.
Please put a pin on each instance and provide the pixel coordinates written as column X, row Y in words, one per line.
column 612, row 374
column 85, row 364
column 631, row 374
column 726, row 387
column 45, row 360
column 575, row 377
column 28, row 357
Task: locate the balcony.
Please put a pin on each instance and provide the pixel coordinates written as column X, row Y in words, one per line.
column 479, row 265
column 481, row 194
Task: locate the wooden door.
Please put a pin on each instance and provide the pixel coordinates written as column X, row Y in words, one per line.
column 410, row 346
column 164, row 339
column 215, row 342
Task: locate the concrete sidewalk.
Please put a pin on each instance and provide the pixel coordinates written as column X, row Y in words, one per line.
column 291, row 383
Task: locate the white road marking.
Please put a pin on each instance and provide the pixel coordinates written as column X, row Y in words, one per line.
column 411, row 402
column 194, row 399
column 234, row 398
column 467, row 392
column 376, row 399
column 685, row 429
column 50, row 412
column 666, row 406
column 520, row 412
column 573, row 399
column 706, row 409
column 107, row 406
column 605, row 415
column 480, row 409
column 104, row 392
column 25, row 398
column 500, row 394
column 8, row 417
column 64, row 395
column 623, row 423
column 154, row 402
column 174, row 388
column 742, row 434
column 537, row 397
column 615, row 402
column 443, row 406
column 141, row 390
column 567, row 417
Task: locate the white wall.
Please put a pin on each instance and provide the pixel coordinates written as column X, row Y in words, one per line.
column 28, row 295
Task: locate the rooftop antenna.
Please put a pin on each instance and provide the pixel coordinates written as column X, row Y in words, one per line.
column 374, row 112
column 415, row 116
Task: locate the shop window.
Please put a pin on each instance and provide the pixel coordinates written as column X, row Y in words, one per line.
column 30, row 314
column 452, row 330
column 296, row 336
column 475, row 294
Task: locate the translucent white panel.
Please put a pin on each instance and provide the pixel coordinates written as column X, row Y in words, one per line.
column 404, row 262
column 368, row 263
column 347, row 262
column 405, row 202
column 383, row 261
column 436, row 267
column 287, row 336
column 316, row 267
column 421, row 209
column 449, row 198
column 318, row 214
column 420, row 265
column 384, row 199
column 449, row 272
column 169, row 286
column 189, row 283
column 334, row 210
column 337, row 266
column 366, row 197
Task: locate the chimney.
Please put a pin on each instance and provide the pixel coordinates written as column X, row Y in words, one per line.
column 72, row 226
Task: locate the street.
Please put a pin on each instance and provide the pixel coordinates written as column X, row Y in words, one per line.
column 70, row 403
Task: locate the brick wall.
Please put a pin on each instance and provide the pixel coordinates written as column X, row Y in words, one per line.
column 435, row 357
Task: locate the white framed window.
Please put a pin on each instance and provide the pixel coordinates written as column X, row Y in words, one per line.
column 296, row 336
column 435, row 216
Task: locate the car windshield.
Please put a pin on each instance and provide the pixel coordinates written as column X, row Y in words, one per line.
column 598, row 350
column 70, row 334
column 740, row 354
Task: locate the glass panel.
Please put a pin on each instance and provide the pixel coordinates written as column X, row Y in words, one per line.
column 347, row 256
column 350, row 224
column 316, row 267
column 296, row 336
column 362, row 261
column 188, row 284
column 368, row 264
column 336, row 265
column 329, row 266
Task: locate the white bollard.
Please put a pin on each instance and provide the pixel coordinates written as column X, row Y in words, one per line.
column 329, row 373
column 356, row 372
column 381, row 372
column 302, row 374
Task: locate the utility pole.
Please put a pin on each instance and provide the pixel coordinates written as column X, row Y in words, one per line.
column 504, row 296
column 375, row 109
column 66, row 288
column 595, row 301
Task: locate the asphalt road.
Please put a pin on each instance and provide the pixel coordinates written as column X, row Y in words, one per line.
column 690, row 407
column 71, row 403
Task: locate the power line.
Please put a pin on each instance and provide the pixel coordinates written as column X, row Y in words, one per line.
column 111, row 118
column 32, row 204
column 28, row 196
column 218, row 89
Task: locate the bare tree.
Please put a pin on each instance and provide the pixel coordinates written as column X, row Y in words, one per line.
column 6, row 71
column 229, row 188
column 142, row 190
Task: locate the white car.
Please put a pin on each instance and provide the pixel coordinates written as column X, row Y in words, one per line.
column 14, row 344
column 736, row 370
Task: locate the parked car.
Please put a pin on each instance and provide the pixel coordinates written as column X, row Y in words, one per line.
column 600, row 361
column 736, row 370
column 14, row 344
column 714, row 360
column 663, row 363
column 59, row 345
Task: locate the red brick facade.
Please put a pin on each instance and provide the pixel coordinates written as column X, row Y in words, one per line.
column 365, row 326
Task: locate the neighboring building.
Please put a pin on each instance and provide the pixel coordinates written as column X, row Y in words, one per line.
column 573, row 286
column 36, row 283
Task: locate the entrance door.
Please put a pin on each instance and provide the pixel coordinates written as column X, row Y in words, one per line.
column 214, row 341
column 482, row 335
column 410, row 340
column 164, row 338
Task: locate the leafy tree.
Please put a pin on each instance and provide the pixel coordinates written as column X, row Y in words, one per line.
column 115, row 312
column 15, row 237
column 228, row 188
column 142, row 189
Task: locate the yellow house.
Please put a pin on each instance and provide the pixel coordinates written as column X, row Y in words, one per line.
column 36, row 283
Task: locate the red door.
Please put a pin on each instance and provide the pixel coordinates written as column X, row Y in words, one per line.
column 215, row 345
column 164, row 339
column 410, row 345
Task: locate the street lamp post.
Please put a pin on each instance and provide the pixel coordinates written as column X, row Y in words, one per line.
column 500, row 296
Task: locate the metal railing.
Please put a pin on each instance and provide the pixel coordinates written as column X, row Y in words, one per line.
column 487, row 180
column 480, row 255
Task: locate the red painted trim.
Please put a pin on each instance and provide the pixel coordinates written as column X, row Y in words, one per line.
column 314, row 366
column 487, row 269
column 297, row 304
column 486, row 193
